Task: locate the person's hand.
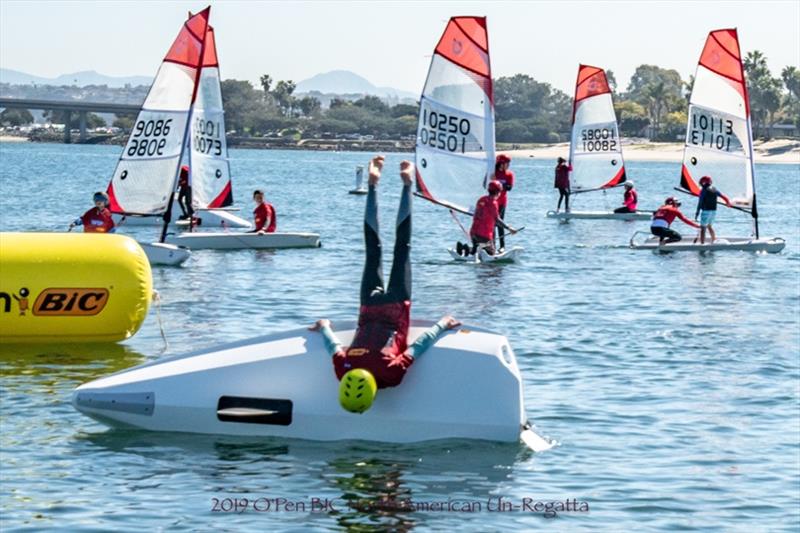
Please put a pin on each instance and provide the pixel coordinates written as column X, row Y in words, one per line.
column 261, row 232
column 71, row 225
column 319, row 324
column 403, row 360
column 450, row 322
column 375, row 168
column 407, row 172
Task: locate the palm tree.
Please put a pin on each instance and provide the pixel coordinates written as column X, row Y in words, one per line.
column 657, row 96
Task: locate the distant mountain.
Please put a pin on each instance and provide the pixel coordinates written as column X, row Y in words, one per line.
column 81, row 79
column 346, row 82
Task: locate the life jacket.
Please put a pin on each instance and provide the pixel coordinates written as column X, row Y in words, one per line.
column 97, row 221
column 708, row 198
column 382, row 330
column 562, row 176
column 507, row 179
column 666, row 213
column 485, row 217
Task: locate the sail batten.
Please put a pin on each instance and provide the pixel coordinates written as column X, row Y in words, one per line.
column 718, row 139
column 595, row 144
column 144, row 179
column 455, row 133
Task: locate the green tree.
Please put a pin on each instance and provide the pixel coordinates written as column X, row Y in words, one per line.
column 791, row 107
column 266, row 82
column 310, row 106
column 401, row 110
column 659, row 90
column 123, row 122
column 674, row 125
column 15, row 117
column 764, row 90
column 632, row 117
column 283, row 96
column 372, row 104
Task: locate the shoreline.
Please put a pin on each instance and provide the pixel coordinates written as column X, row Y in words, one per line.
column 775, row 151
column 779, row 151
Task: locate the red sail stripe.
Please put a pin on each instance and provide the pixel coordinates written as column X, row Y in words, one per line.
column 591, row 82
column 687, row 182
column 721, row 55
column 465, row 43
column 224, row 198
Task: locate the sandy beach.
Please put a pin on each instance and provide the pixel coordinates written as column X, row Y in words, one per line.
column 12, row 139
column 774, row 151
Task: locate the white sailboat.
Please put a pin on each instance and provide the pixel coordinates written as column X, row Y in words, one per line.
column 719, row 144
column 455, row 134
column 595, row 149
column 209, row 169
column 283, row 385
column 147, row 171
column 359, row 189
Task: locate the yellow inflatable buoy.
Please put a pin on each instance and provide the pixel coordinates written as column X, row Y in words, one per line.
column 72, row 287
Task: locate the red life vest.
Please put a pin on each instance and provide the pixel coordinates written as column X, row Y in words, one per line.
column 562, row 176
column 666, row 212
column 485, row 217
column 382, row 330
column 507, row 179
column 97, row 221
column 261, row 213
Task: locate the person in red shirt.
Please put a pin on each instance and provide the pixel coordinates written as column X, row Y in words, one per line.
column 185, row 193
column 379, row 354
column 562, row 183
column 506, row 179
column 484, row 220
column 663, row 218
column 264, row 214
column 97, row 219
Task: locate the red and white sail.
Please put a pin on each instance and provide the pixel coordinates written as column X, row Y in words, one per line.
column 595, row 147
column 455, row 133
column 208, row 154
column 718, row 136
column 145, row 177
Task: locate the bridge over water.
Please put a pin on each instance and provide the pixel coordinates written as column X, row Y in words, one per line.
column 77, row 106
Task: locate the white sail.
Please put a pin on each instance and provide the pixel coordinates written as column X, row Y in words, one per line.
column 145, row 177
column 595, row 146
column 718, row 135
column 208, row 155
column 455, row 133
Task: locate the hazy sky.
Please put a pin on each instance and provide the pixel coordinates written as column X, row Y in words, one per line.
column 389, row 43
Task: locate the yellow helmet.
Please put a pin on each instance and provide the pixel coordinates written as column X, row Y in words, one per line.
column 357, row 390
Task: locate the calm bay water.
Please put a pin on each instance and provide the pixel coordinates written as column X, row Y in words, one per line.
column 672, row 383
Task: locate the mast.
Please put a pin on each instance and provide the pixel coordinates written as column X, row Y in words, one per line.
column 168, row 213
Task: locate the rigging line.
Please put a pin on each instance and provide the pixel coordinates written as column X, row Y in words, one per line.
column 460, row 224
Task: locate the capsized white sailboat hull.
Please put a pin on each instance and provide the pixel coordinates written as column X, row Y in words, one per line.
column 467, row 385
column 243, row 241
column 745, row 244
column 159, row 253
column 610, row 215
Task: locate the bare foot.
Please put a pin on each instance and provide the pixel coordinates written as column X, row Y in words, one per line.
column 407, row 172
column 375, row 168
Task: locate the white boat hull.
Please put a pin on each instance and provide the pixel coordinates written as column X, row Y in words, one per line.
column 745, row 244
column 510, row 255
column 244, row 241
column 610, row 215
column 467, row 385
column 159, row 253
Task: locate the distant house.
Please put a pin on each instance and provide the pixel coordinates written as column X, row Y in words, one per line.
column 786, row 130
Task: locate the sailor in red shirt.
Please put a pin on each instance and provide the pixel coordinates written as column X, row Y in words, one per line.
column 97, row 219
column 185, row 193
column 264, row 214
column 379, row 355
column 506, row 179
column 562, row 183
column 484, row 220
column 663, row 218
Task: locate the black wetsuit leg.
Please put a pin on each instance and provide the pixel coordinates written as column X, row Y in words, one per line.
column 501, row 233
column 666, row 234
column 372, row 278
column 400, row 278
column 623, row 209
